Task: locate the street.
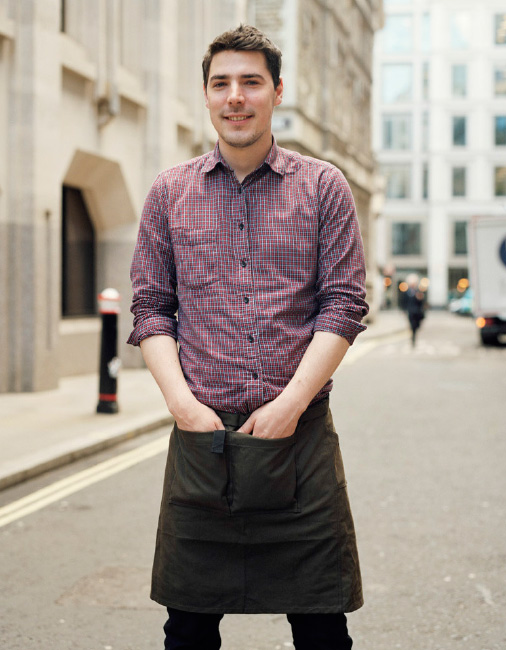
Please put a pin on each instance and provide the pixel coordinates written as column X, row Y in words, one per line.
column 423, row 438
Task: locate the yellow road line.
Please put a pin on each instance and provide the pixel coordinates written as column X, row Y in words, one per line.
column 56, row 491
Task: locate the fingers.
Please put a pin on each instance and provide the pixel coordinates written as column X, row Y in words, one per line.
column 248, row 426
column 218, row 424
column 201, row 418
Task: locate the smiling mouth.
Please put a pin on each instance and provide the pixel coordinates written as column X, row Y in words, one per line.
column 237, row 118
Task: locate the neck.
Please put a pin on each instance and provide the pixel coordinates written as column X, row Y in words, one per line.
column 244, row 160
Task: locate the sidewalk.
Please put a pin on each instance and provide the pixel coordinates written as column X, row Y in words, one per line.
column 42, row 431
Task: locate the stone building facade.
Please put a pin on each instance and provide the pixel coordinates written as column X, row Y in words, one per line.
column 98, row 96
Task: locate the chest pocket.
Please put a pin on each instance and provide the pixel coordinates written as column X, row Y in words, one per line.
column 196, row 256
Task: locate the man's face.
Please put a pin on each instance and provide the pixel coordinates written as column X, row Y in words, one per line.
column 240, row 97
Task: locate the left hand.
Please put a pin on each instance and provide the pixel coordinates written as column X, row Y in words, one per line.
column 272, row 420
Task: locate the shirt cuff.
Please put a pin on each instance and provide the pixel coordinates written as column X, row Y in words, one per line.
column 152, row 327
column 345, row 326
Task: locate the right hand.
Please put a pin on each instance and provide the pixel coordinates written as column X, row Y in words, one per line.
column 196, row 416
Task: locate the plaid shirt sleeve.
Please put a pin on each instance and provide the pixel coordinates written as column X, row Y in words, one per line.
column 341, row 267
column 153, row 272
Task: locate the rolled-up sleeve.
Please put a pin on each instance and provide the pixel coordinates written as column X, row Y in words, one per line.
column 153, row 272
column 341, row 264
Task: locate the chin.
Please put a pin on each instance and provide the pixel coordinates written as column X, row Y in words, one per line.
column 240, row 142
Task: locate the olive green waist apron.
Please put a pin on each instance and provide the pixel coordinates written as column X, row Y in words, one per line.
column 250, row 525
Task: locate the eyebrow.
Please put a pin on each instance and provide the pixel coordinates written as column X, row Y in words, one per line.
column 219, row 77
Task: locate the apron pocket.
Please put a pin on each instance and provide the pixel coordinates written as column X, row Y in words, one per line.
column 263, row 474
column 200, row 477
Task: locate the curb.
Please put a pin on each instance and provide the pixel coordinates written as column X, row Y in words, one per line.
column 61, row 455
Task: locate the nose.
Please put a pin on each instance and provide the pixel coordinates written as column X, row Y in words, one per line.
column 235, row 95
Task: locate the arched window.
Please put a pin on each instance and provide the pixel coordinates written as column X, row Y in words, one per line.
column 78, row 256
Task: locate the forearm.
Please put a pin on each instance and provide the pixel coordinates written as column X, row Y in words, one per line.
column 161, row 356
column 279, row 418
column 320, row 361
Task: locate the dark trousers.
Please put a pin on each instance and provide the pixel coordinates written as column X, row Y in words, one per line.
column 192, row 631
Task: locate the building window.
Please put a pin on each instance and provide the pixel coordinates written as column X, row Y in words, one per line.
column 333, row 48
column 460, row 238
column 460, row 30
column 63, row 16
column 425, row 33
column 458, row 181
column 425, row 130
column 406, row 239
column 500, row 181
column 500, row 29
column 398, row 34
column 398, row 181
column 425, row 80
column 459, row 131
column 397, row 82
column 78, row 256
column 425, row 181
column 500, row 81
column 397, row 132
column 500, row 130
column 459, row 80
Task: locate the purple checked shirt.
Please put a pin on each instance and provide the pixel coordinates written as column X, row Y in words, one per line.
column 242, row 275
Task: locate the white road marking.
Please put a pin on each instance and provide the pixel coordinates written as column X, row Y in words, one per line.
column 48, row 495
column 486, row 593
column 356, row 353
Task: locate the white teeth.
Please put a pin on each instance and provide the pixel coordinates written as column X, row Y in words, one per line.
column 237, row 119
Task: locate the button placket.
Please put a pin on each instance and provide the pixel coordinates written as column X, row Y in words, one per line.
column 243, row 256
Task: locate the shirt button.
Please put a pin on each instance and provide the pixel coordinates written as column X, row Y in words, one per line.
column 241, row 226
column 250, row 339
column 246, row 299
column 255, row 375
column 244, row 263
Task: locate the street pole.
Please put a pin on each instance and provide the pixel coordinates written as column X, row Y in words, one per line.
column 108, row 306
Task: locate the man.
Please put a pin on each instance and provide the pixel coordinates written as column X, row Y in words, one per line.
column 258, row 251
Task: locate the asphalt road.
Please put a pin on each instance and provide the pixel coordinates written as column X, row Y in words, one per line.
column 423, row 436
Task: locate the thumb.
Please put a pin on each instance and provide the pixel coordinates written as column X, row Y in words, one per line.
column 248, row 426
column 217, row 423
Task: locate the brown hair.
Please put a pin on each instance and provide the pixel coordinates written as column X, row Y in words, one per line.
column 244, row 37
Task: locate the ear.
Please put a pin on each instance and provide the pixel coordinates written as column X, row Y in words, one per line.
column 205, row 95
column 279, row 93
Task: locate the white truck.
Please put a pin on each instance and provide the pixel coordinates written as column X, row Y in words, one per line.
column 487, row 239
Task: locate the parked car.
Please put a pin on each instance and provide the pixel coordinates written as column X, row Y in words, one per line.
column 464, row 304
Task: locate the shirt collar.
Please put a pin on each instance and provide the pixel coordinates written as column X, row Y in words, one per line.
column 276, row 159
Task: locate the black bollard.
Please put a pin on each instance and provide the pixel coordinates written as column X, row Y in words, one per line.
column 108, row 302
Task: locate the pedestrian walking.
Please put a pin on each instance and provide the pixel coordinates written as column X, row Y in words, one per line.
column 248, row 279
column 415, row 305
